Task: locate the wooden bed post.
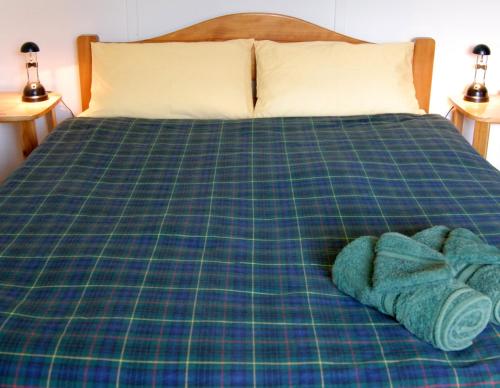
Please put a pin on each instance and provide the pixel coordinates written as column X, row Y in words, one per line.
column 85, row 66
column 423, row 63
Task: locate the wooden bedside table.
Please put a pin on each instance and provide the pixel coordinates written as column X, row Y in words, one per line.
column 483, row 114
column 14, row 110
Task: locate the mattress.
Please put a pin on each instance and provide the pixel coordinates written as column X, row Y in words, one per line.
column 177, row 252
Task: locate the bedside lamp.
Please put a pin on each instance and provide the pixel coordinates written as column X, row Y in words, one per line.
column 477, row 92
column 34, row 90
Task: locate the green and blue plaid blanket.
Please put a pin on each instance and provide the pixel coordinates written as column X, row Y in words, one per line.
column 176, row 252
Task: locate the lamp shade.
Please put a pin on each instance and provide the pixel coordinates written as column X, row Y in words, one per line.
column 481, row 49
column 30, row 47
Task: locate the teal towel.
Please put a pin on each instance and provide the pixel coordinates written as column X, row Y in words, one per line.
column 353, row 268
column 448, row 314
column 431, row 304
column 352, row 274
column 486, row 280
column 403, row 263
column 474, row 262
column 464, row 247
column 433, row 237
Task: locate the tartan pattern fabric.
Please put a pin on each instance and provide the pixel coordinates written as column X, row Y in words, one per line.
column 177, row 252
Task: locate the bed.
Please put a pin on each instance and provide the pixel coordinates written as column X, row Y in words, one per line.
column 140, row 252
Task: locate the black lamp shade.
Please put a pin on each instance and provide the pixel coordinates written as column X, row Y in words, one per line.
column 481, row 49
column 30, row 47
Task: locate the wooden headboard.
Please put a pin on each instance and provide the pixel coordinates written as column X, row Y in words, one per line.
column 263, row 26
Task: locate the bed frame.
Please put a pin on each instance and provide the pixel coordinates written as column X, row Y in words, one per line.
column 263, row 26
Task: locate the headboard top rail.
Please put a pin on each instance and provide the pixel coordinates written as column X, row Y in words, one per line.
column 262, row 26
column 259, row 26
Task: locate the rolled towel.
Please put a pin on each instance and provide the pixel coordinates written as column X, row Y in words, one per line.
column 473, row 262
column 477, row 264
column 448, row 315
column 486, row 280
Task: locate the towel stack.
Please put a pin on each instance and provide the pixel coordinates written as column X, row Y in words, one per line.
column 442, row 285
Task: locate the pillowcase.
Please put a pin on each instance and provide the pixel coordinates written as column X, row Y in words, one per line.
column 202, row 80
column 334, row 79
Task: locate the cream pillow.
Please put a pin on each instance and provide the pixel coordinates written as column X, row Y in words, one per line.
column 334, row 79
column 203, row 80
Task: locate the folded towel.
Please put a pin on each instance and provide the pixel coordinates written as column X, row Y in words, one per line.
column 464, row 247
column 352, row 274
column 433, row 237
column 353, row 268
column 474, row 262
column 447, row 314
column 403, row 263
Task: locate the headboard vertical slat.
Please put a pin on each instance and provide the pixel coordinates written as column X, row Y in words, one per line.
column 85, row 66
column 423, row 63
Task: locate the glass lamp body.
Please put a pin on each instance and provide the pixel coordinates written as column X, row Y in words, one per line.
column 477, row 92
column 34, row 90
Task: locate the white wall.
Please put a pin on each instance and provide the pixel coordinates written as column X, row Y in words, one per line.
column 59, row 22
column 155, row 17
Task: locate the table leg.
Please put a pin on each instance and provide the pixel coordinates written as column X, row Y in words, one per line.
column 481, row 137
column 50, row 118
column 30, row 140
column 457, row 118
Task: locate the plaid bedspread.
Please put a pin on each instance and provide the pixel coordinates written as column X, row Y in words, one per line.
column 163, row 253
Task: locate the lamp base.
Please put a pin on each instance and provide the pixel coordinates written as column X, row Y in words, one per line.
column 477, row 92
column 34, row 92
column 35, row 99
